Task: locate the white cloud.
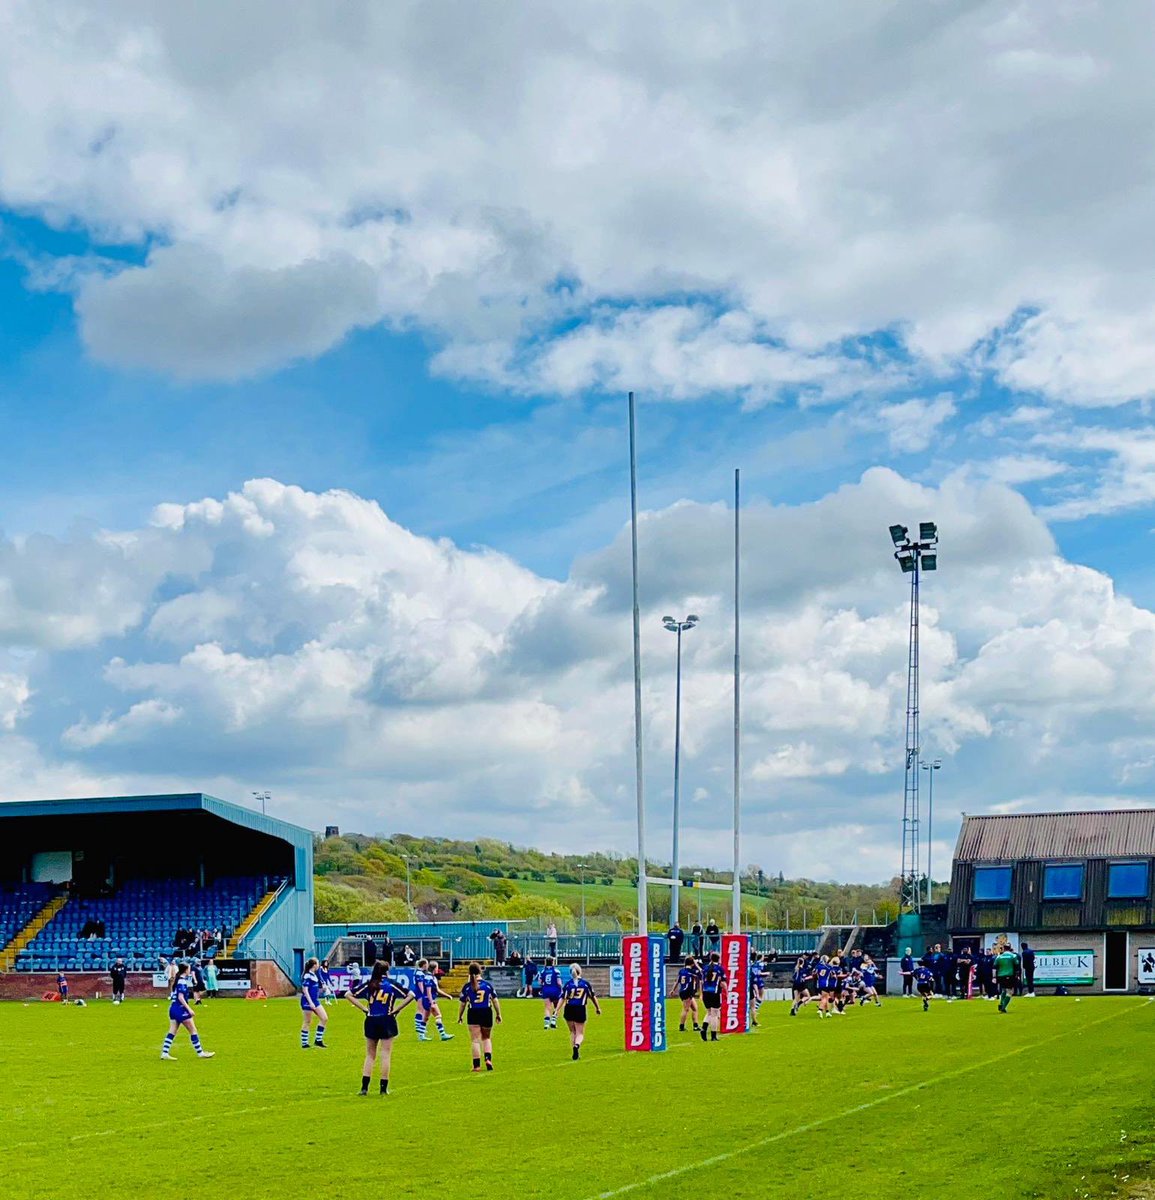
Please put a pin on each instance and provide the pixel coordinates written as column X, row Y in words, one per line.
column 494, row 174
column 390, row 681
column 913, row 425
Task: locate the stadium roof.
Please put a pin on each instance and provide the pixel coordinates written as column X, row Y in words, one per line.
column 180, row 802
column 1096, row 834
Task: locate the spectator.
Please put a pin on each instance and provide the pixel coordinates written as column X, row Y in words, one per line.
column 515, row 958
column 714, row 935
column 211, row 980
column 371, row 954
column 677, row 936
column 387, row 947
column 410, row 955
column 551, row 938
column 906, row 970
column 1029, row 967
column 497, row 937
column 119, row 973
column 696, row 937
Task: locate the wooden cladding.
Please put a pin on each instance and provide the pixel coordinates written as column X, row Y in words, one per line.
column 1027, row 910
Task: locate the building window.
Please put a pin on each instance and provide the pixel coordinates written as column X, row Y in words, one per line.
column 992, row 883
column 1063, row 882
column 1127, row 881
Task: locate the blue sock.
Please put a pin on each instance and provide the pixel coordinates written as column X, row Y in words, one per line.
column 320, row 1038
column 196, row 1043
column 169, row 1038
column 305, row 1039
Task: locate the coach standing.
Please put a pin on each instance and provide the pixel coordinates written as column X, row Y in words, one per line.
column 119, row 973
column 1029, row 967
column 906, row 970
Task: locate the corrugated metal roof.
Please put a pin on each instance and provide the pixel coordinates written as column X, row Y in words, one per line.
column 1097, row 834
column 177, row 802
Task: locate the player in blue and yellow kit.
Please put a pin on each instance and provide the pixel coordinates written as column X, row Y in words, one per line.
column 689, row 984
column 713, row 989
column 924, row 982
column 550, row 982
column 480, row 1001
column 311, row 1007
column 576, row 995
column 384, row 999
column 826, row 979
column 180, row 1013
column 757, row 983
column 427, row 990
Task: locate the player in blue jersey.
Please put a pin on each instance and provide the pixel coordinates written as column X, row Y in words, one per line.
column 479, row 1001
column 576, row 996
column 713, row 989
column 328, row 992
column 180, row 1014
column 550, row 982
column 826, row 980
column 924, row 983
column 428, row 990
column 800, row 982
column 689, row 985
column 757, row 983
column 383, row 1000
column 869, row 982
column 312, row 1009
column 62, row 986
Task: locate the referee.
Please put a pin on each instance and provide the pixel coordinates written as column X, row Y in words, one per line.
column 119, row 973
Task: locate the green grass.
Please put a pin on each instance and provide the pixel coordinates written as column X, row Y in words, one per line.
column 1052, row 1100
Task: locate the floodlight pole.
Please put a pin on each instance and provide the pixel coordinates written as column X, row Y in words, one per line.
column 930, row 767
column 911, row 892
column 910, row 554
column 675, row 887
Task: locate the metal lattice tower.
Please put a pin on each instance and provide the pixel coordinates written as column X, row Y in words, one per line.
column 914, row 556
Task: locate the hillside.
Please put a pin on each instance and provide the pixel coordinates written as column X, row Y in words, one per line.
column 361, row 878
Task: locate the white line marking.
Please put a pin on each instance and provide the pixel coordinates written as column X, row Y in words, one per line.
column 715, row 1159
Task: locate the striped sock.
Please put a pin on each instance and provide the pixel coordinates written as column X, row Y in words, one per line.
column 305, row 1039
column 169, row 1038
column 320, row 1038
column 196, row 1043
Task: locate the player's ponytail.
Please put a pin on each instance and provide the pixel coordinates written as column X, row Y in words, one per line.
column 474, row 970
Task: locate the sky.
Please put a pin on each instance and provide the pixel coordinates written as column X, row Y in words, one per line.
column 316, row 329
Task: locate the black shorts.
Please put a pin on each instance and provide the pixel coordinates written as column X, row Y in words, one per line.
column 712, row 999
column 687, row 995
column 926, row 989
column 575, row 1013
column 481, row 1017
column 380, row 1029
column 800, row 989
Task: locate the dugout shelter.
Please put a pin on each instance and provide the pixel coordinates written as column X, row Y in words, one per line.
column 86, row 881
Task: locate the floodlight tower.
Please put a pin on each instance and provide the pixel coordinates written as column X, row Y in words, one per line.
column 914, row 555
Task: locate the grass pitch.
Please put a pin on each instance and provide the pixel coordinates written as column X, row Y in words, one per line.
column 1053, row 1100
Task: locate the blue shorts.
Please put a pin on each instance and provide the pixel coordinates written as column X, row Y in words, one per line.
column 177, row 1012
column 553, row 994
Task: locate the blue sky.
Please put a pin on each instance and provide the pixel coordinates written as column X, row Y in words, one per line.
column 313, row 402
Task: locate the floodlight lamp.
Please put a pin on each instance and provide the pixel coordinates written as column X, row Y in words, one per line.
column 668, row 621
column 692, row 619
column 906, row 562
column 927, row 531
column 898, row 534
column 930, row 562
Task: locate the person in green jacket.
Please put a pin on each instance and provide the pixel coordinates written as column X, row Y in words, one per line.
column 1006, row 968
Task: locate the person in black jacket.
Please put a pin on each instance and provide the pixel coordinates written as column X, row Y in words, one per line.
column 714, row 935
column 1028, row 957
column 119, row 973
column 906, row 970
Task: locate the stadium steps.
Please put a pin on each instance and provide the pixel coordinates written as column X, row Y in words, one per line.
column 25, row 936
column 247, row 925
column 454, row 981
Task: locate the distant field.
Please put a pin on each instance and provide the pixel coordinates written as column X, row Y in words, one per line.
column 1052, row 1100
column 625, row 893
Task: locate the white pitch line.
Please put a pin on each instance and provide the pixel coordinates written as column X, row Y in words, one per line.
column 715, row 1159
